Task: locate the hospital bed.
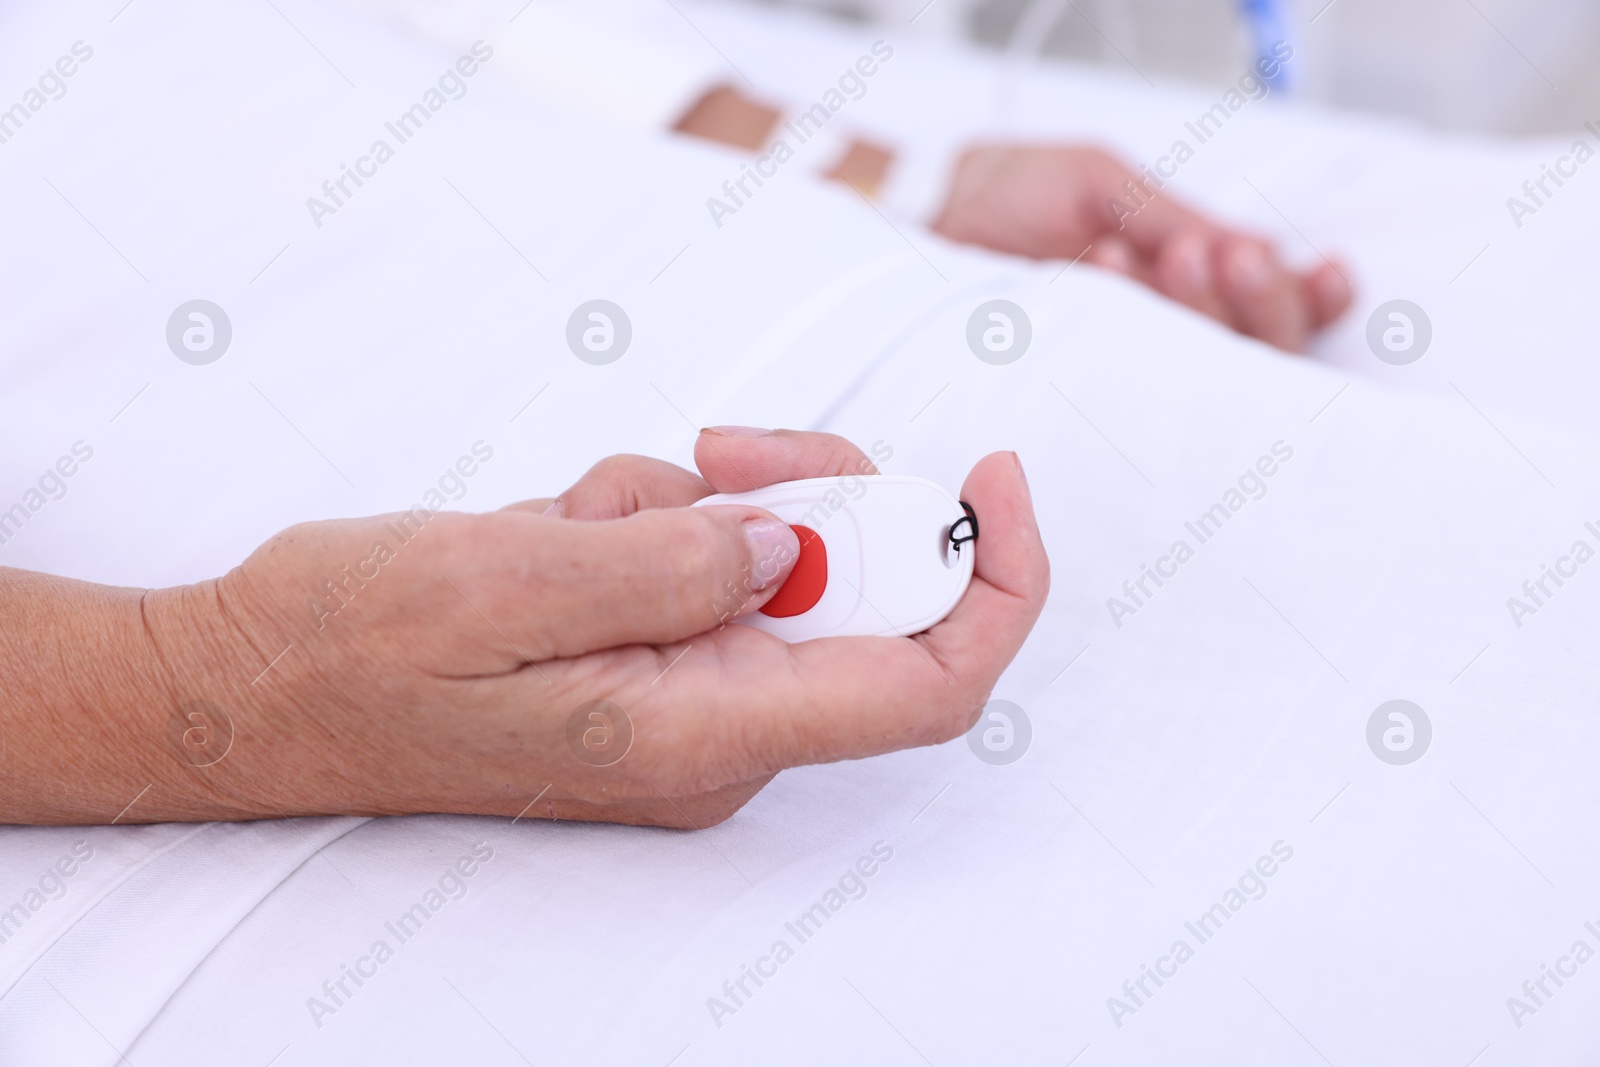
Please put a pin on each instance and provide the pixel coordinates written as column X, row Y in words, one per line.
column 1201, row 771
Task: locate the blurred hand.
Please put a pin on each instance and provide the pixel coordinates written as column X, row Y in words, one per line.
column 1055, row 202
column 460, row 671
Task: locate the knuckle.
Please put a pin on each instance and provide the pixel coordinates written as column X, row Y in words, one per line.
column 616, row 468
column 703, row 550
column 606, row 481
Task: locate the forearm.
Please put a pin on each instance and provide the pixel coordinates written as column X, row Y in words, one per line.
column 93, row 683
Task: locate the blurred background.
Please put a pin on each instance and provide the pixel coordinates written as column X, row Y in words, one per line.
column 1493, row 66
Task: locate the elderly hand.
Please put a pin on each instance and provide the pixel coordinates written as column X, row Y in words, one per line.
column 1057, row 202
column 564, row 659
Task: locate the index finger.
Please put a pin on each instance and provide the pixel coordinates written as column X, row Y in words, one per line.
column 737, row 459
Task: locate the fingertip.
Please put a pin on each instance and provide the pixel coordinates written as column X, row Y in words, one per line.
column 1331, row 291
column 1011, row 552
column 719, row 457
column 773, row 547
column 1113, row 254
column 1022, row 474
column 1266, row 301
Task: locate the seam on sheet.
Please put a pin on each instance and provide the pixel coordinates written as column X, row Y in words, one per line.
column 178, row 987
column 96, row 901
column 892, row 348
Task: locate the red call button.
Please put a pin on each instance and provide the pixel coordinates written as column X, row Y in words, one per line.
column 803, row 588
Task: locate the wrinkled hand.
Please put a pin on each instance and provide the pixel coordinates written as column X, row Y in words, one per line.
column 462, row 673
column 1055, row 202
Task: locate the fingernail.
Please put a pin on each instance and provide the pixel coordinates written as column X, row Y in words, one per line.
column 773, row 550
column 1022, row 474
column 1333, row 287
column 737, row 431
column 556, row 509
column 1251, row 268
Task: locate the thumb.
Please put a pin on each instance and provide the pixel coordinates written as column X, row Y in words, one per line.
column 654, row 577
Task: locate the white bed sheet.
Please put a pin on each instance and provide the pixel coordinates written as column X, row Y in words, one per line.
column 1168, row 755
column 1424, row 216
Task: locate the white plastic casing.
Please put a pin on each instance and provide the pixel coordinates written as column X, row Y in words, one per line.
column 891, row 568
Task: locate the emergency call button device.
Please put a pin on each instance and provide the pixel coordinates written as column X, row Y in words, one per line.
column 880, row 555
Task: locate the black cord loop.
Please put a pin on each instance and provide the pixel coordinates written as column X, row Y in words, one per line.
column 970, row 520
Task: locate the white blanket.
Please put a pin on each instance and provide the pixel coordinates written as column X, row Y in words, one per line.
column 1180, row 751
